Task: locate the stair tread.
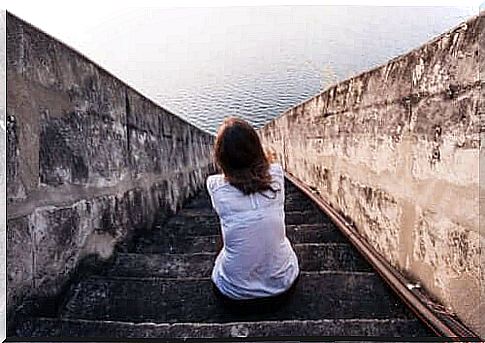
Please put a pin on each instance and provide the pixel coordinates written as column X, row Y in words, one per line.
column 159, row 242
column 162, row 289
column 317, row 295
column 311, row 256
column 292, row 203
column 189, row 220
column 389, row 327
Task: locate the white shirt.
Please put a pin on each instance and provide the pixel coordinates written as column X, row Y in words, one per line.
column 257, row 259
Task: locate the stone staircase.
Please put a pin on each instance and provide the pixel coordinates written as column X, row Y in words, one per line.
column 161, row 287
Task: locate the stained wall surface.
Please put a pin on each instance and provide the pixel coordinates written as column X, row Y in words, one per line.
column 396, row 151
column 89, row 161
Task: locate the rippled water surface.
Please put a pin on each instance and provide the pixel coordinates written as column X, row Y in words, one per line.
column 254, row 62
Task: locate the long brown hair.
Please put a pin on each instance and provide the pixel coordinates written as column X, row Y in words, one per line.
column 239, row 154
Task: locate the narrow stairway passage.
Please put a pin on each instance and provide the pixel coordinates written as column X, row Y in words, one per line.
column 162, row 287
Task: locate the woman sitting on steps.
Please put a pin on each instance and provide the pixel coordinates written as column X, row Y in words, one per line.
column 257, row 265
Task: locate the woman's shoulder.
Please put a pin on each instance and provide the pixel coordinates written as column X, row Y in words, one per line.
column 217, row 181
column 214, row 182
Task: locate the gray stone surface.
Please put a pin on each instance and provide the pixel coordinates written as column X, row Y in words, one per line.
column 48, row 327
column 169, row 294
column 3, row 176
column 312, row 257
column 162, row 242
column 89, row 162
column 196, row 226
column 308, row 233
column 396, row 150
column 20, row 261
column 300, row 217
column 329, row 295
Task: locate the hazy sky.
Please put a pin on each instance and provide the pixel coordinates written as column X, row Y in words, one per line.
column 125, row 39
column 174, row 54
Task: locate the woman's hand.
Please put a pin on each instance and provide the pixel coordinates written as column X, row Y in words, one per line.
column 271, row 155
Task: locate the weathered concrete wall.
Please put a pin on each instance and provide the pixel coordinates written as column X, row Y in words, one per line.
column 396, row 150
column 89, row 161
column 3, row 177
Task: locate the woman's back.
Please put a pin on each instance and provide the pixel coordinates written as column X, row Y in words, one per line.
column 257, row 259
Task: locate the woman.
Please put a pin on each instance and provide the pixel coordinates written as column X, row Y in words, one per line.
column 257, row 264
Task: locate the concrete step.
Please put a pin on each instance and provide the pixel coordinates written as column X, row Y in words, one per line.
column 293, row 202
column 189, row 218
column 202, row 200
column 163, row 290
column 330, row 256
column 306, row 217
column 299, row 205
column 292, row 197
column 185, row 226
column 394, row 327
column 178, row 227
column 161, row 242
column 318, row 295
column 315, row 233
column 197, row 212
column 312, row 257
column 192, row 217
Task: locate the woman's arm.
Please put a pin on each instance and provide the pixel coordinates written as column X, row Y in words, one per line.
column 271, row 155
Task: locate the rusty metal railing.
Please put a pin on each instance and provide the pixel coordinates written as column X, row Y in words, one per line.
column 434, row 315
